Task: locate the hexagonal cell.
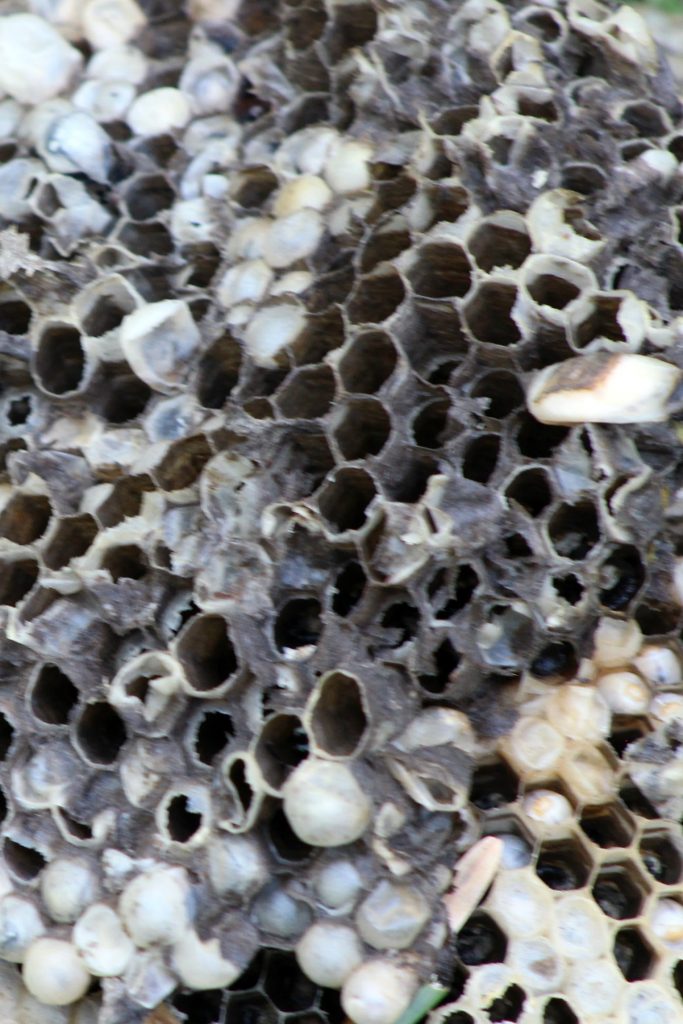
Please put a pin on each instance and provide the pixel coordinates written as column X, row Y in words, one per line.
column 125, row 561
column 531, row 490
column 657, row 618
column 307, row 393
column 499, row 241
column 284, row 842
column 493, row 785
column 362, row 428
column 410, row 481
column 250, row 1007
column 385, row 243
column 601, row 322
column 552, row 290
column 446, row 659
column 623, row 575
column 104, row 306
column 281, row 746
column 125, row 499
column 431, row 422
column 147, row 195
column 661, row 855
column 219, row 370
column 369, row 361
column 206, row 652
column 252, row 187
column 480, row 458
column 569, row 588
column 432, row 339
column 441, row 270
column 608, row 826
column 646, row 118
column 488, row 313
column 348, row 588
column 538, row 440
column 634, row 956
column 119, row 395
column 574, row 529
column 16, row 579
column 338, row 722
column 584, row 178
column 502, row 392
column 636, row 802
column 286, row 984
column 59, row 359
column 100, row 734
column 145, row 239
column 563, row 864
column 376, row 296
column 620, row 891
column 298, row 623
column 71, row 539
column 557, row 1011
column 182, row 463
column 465, row 585
column 52, row 696
column 24, row 862
column 508, row 1007
column 344, row 499
column 198, row 1007
column 480, row 941
column 15, row 316
column 556, row 662
column 212, row 732
column 25, row 518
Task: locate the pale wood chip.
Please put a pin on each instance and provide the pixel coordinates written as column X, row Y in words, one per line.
column 474, row 873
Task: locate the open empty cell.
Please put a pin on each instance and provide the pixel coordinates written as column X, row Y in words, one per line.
column 488, row 313
column 441, row 270
column 25, row 518
column 53, row 696
column 206, row 652
column 362, row 429
column 60, row 359
column 344, row 500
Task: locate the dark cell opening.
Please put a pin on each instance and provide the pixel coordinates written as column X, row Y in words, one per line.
column 646, row 118
column 253, row 186
column 6, row 736
column 53, row 696
column 384, row 244
column 446, row 660
column 602, row 322
column 147, row 196
column 412, row 483
column 285, row 843
column 363, row 429
column 538, row 440
column 636, row 801
column 569, row 588
column 183, row 463
column 199, row 1007
column 308, row 394
column 494, row 245
column 677, row 977
column 608, row 826
column 125, row 500
column 19, row 410
column 516, row 546
column 214, row 732
column 344, row 500
column 543, row 25
column 442, row 270
column 72, row 538
column 206, row 652
column 349, row 587
column 60, row 360
column 633, row 955
column 509, row 1006
column 450, row 122
column 286, row 984
column 338, row 721
column 431, row 422
column 617, row 893
column 16, row 579
column 181, row 821
column 623, row 735
column 558, row 1012
column 298, row 623
column 219, row 371
column 550, row 290
column 563, row 865
column 143, row 239
column 25, row 518
column 237, row 775
column 106, row 314
column 251, row 1009
column 402, row 619
column 557, row 661
column 376, row 297
column 621, row 575
column 466, row 582
column 481, row 458
column 583, row 178
column 15, row 316
column 574, row 529
column 480, row 941
column 488, row 314
column 100, row 733
column 656, row 618
column 125, row 562
column 502, row 391
column 281, row 746
column 662, row 858
column 368, row 363
column 531, row 490
column 124, row 396
column 493, row 786
column 23, row 861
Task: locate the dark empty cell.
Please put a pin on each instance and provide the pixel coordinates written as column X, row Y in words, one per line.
column 624, row 735
column 368, row 363
column 16, row 579
column 459, row 1017
column 677, row 977
column 100, row 733
column 147, row 196
column 298, row 623
column 480, row 941
column 563, row 865
column 661, row 857
column 353, row 26
column 6, row 735
column 60, row 360
column 488, row 314
column 19, row 410
column 146, row 239
column 550, row 290
column 446, row 660
column 516, row 546
column 237, row 777
column 304, row 24
column 441, row 270
column 285, row 843
column 569, row 588
column 183, row 463
column 123, row 396
column 481, row 458
column 633, row 955
column 543, row 110
column 105, row 314
column 602, row 322
column 430, row 423
column 574, row 529
column 253, row 187
column 646, row 118
column 621, row 577
column 538, row 440
column 617, row 893
column 558, row 1012
column 214, row 732
column 608, row 826
column 636, row 802
column 432, row 339
column 308, row 394
column 450, row 122
column 493, row 785
column 250, row 976
column 199, row 1007
column 125, row 562
column 376, row 297
column 338, row 719
column 544, row 25
column 557, row 661
column 384, row 244
column 25, row 517
column 403, row 619
column 15, row 317
column 78, row 829
column 343, row 501
column 53, row 696
column 363, row 428
column 583, row 178
column 286, row 984
column 349, row 587
column 502, row 392
column 413, row 481
column 281, row 746
column 251, row 1008
column 466, row 582
column 496, row 245
column 206, row 652
column 219, row 371
column 125, row 500
column 182, row 823
column 656, row 618
column 205, row 260
column 509, row 1006
column 23, row 861
column 531, row 490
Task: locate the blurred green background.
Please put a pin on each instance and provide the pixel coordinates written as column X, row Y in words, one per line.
column 670, row 6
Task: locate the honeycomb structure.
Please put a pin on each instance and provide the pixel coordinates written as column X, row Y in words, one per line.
column 298, row 598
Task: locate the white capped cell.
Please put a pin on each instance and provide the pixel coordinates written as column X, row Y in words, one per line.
column 159, row 111
column 546, row 807
column 659, row 665
column 36, row 63
column 328, row 952
column 54, row 973
column 271, row 331
column 101, row 941
column 108, row 23
column 156, row 906
column 624, row 692
column 67, row 885
column 324, row 803
column 378, row 991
